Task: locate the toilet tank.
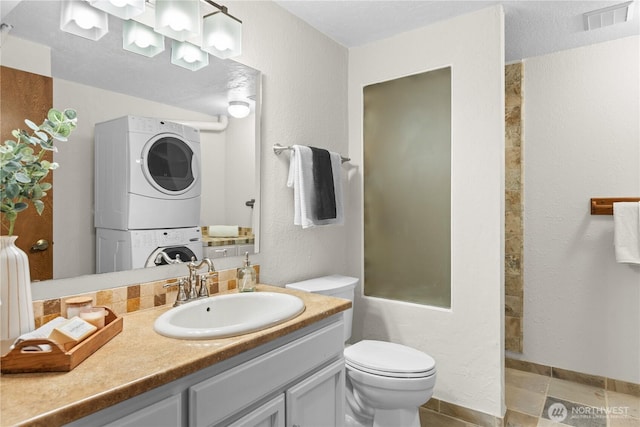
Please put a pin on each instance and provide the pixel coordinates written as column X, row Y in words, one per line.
column 335, row 286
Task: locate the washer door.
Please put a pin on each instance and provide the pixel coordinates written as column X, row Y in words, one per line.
column 172, row 252
column 169, row 164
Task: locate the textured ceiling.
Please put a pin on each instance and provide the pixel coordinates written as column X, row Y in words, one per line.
column 532, row 28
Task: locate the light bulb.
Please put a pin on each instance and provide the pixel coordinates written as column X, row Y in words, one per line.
column 190, row 56
column 85, row 19
column 222, row 42
column 143, row 40
column 179, row 21
column 238, row 109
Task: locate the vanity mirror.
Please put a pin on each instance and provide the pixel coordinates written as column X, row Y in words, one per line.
column 102, row 82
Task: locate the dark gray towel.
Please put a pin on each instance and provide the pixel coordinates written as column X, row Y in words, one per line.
column 325, row 196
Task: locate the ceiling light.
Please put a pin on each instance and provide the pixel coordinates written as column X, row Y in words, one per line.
column 608, row 16
column 239, row 109
column 222, row 35
column 139, row 38
column 188, row 56
column 178, row 19
column 123, row 9
column 79, row 18
column 146, row 22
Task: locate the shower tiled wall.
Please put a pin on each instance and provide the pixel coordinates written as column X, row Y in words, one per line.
column 127, row 299
column 513, row 251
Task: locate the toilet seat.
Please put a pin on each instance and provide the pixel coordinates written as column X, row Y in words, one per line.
column 390, row 374
column 389, row 360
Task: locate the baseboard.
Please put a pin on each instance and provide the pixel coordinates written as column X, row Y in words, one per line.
column 574, row 376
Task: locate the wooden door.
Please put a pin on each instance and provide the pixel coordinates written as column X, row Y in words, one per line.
column 23, row 96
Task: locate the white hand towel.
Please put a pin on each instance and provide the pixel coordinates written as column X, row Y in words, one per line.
column 626, row 222
column 301, row 180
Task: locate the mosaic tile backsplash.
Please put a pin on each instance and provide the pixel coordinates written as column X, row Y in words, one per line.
column 127, row 299
column 513, row 248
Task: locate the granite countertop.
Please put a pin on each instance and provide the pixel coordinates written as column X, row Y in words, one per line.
column 135, row 361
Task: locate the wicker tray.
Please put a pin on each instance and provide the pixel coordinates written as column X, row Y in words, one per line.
column 19, row 360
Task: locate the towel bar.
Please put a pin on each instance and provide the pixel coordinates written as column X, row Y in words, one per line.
column 277, row 148
column 604, row 205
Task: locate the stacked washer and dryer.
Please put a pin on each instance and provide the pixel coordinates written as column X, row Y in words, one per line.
column 147, row 193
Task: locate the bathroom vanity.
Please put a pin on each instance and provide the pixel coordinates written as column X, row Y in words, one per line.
column 290, row 374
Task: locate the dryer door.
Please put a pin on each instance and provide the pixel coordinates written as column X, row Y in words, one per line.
column 170, row 164
column 173, row 252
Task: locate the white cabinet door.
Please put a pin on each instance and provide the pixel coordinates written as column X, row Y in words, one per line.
column 319, row 399
column 216, row 399
column 167, row 412
column 271, row 414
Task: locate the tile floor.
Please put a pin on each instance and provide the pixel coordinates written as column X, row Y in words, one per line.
column 540, row 401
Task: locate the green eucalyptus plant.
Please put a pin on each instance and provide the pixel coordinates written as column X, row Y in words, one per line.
column 23, row 167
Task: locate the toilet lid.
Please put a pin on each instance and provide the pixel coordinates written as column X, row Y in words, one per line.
column 389, row 359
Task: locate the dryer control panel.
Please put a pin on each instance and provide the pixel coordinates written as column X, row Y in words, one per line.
column 168, row 237
column 156, row 126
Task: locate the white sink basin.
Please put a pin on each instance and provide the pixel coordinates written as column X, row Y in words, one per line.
column 228, row 315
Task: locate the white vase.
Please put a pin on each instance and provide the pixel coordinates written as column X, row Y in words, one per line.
column 15, row 284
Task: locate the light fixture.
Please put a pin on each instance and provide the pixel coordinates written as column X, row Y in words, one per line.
column 123, row 9
column 222, row 34
column 178, row 19
column 79, row 18
column 188, row 56
column 611, row 15
column 146, row 22
column 238, row 109
column 139, row 38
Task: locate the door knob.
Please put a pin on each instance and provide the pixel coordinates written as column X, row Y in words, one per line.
column 40, row 245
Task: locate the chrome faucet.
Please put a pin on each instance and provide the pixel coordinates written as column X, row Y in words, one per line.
column 192, row 283
column 163, row 256
column 188, row 287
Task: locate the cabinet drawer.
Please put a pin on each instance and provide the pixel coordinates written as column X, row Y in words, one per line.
column 167, row 412
column 214, row 252
column 213, row 400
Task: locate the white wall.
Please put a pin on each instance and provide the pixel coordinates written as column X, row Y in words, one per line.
column 466, row 341
column 582, row 140
column 12, row 55
column 212, row 211
column 230, row 165
column 305, row 102
column 239, row 166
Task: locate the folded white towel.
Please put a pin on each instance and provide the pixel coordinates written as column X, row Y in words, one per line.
column 42, row 332
column 301, row 180
column 626, row 221
column 223, row 231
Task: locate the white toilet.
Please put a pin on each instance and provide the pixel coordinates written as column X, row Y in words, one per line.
column 386, row 382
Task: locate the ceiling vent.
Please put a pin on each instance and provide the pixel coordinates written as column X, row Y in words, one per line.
column 608, row 16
